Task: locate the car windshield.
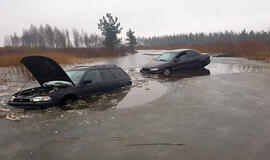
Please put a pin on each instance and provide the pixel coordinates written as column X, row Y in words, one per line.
column 166, row 56
column 75, row 76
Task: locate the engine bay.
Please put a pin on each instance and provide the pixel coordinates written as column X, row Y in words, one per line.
column 38, row 91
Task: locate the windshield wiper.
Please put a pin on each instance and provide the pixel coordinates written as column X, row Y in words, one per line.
column 60, row 83
column 161, row 60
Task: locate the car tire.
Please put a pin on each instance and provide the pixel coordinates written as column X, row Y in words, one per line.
column 68, row 100
column 166, row 72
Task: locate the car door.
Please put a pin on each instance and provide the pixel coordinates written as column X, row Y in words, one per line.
column 109, row 81
column 187, row 60
column 192, row 59
column 180, row 61
column 91, row 83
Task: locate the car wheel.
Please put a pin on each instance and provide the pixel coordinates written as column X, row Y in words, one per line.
column 68, row 100
column 166, row 72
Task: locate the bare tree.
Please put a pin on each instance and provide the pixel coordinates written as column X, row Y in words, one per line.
column 86, row 40
column 95, row 40
column 68, row 41
column 49, row 36
column 26, row 42
column 59, row 39
column 7, row 41
column 41, row 37
column 76, row 38
column 14, row 40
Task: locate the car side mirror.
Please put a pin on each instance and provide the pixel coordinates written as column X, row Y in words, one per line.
column 87, row 82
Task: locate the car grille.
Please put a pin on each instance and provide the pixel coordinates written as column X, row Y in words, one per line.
column 21, row 100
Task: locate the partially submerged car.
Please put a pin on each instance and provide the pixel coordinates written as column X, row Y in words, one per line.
column 175, row 60
column 60, row 88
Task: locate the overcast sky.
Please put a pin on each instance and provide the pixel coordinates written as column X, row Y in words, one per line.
column 145, row 17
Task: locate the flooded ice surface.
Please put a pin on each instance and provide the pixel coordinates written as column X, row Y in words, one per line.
column 142, row 94
column 235, row 65
column 145, row 88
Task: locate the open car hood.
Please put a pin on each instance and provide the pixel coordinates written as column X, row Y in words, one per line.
column 45, row 69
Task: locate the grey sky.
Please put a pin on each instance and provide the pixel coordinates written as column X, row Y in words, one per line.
column 145, row 17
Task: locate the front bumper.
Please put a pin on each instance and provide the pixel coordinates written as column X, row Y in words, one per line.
column 144, row 70
column 32, row 105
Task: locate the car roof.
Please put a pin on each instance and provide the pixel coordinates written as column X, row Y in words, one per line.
column 181, row 50
column 86, row 68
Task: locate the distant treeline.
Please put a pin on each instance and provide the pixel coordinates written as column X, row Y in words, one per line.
column 52, row 37
column 253, row 45
column 204, row 38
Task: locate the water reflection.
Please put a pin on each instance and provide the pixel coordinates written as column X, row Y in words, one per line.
column 142, row 91
column 101, row 102
column 188, row 74
column 180, row 74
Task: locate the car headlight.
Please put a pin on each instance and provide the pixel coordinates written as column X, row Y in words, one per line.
column 154, row 69
column 41, row 98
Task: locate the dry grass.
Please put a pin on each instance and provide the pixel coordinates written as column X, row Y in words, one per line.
column 258, row 50
column 12, row 56
column 14, row 59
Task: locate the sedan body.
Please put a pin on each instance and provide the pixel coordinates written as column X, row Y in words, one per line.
column 176, row 60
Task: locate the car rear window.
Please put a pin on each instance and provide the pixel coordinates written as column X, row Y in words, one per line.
column 119, row 74
column 180, row 55
column 107, row 75
column 187, row 55
column 191, row 54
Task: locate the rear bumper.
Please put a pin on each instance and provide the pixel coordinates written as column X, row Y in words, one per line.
column 31, row 105
column 206, row 62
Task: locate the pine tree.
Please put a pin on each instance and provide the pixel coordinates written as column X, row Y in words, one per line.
column 110, row 27
column 131, row 40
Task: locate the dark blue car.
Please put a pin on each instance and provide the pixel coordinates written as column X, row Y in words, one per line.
column 59, row 87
